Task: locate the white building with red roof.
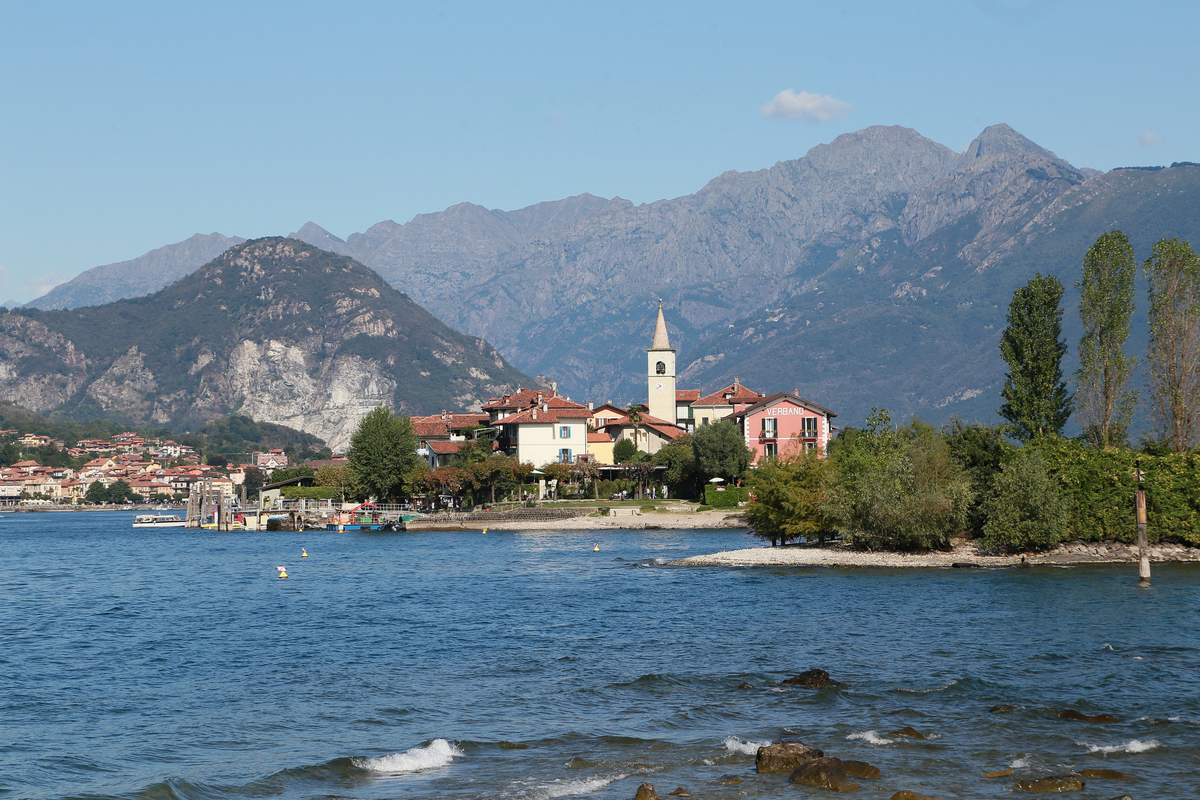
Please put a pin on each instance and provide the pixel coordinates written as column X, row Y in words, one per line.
column 552, row 431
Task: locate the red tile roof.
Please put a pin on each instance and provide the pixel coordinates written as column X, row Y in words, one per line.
column 550, row 413
column 521, row 398
column 443, row 447
column 687, row 395
column 668, row 430
column 443, row 424
column 737, row 394
column 599, row 437
column 767, row 402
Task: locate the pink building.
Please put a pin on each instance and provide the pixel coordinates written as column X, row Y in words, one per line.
column 782, row 425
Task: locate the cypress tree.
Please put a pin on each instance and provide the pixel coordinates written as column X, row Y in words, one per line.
column 1036, row 401
column 1105, row 306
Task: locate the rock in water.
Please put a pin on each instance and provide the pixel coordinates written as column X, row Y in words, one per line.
column 824, row 773
column 907, row 795
column 1105, row 774
column 860, row 769
column 998, row 773
column 646, row 792
column 813, row 679
column 679, row 791
column 908, row 732
column 1003, row 708
column 1077, row 716
column 729, row 780
column 1055, row 784
column 745, row 685
column 784, row 756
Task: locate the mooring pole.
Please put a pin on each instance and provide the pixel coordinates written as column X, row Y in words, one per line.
column 1143, row 550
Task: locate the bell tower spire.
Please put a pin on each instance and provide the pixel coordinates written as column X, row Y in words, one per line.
column 660, row 372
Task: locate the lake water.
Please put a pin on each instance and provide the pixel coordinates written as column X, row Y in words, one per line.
column 164, row 664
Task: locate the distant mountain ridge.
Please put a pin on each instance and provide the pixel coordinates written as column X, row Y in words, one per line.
column 874, row 270
column 274, row 329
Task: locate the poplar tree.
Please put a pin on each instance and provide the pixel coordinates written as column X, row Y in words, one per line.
column 1174, row 355
column 1105, row 307
column 1036, row 401
column 382, row 451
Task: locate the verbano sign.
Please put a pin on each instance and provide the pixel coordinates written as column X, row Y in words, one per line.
column 782, row 411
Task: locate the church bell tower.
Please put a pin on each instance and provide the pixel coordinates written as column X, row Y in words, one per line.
column 660, row 372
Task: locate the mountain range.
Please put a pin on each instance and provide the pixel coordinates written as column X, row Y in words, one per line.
column 273, row 329
column 875, row 270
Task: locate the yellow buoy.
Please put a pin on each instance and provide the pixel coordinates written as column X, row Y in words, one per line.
column 485, row 531
column 282, row 570
column 303, row 553
column 596, row 547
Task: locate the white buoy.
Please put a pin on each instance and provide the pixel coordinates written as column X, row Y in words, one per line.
column 282, row 570
column 596, row 547
column 303, row 553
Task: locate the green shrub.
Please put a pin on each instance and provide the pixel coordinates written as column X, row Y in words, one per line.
column 309, row 492
column 729, row 497
column 1025, row 509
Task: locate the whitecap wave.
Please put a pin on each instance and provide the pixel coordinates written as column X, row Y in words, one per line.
column 1020, row 763
column 735, row 745
column 870, row 737
column 573, row 788
column 1132, row 746
column 438, row 753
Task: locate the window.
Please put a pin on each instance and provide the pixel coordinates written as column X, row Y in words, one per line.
column 564, row 455
column 660, row 368
column 810, row 446
column 769, row 450
column 564, row 431
column 810, row 427
column 768, row 427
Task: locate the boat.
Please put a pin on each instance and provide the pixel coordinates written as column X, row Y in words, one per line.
column 158, row 521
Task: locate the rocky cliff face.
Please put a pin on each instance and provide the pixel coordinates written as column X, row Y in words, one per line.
column 274, row 329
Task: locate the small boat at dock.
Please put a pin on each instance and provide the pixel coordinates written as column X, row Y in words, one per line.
column 158, row 521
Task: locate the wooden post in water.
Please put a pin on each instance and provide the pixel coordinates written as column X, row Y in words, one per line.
column 1143, row 547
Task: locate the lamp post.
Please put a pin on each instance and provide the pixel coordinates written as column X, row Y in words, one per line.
column 1143, row 555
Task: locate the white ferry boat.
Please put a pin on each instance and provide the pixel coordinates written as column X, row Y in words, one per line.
column 158, row 521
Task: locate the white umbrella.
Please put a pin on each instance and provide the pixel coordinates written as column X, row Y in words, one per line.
column 716, row 480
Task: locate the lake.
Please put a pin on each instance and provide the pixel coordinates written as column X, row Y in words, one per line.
column 173, row 664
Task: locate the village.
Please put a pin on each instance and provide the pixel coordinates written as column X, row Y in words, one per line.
column 537, row 427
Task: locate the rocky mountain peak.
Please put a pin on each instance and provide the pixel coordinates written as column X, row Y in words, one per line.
column 1001, row 141
column 317, row 236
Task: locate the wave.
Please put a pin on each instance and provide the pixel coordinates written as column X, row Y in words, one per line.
column 575, row 787
column 1132, row 746
column 438, row 753
column 960, row 685
column 1020, row 763
column 735, row 745
column 870, row 737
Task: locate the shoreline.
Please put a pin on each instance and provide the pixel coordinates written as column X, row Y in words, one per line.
column 962, row 555
column 649, row 521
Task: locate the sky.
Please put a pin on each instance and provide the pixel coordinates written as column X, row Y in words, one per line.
column 125, row 126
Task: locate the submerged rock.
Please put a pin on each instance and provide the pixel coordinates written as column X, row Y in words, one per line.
column 1079, row 716
column 1055, row 784
column 679, row 791
column 1104, row 774
column 998, row 773
column 784, row 756
column 860, row 769
column 745, row 685
column 729, row 780
column 646, row 792
column 907, row 795
column 908, row 732
column 824, row 773
column 1003, row 708
column 812, row 678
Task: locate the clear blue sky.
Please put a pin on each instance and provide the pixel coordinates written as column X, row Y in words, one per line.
column 125, row 126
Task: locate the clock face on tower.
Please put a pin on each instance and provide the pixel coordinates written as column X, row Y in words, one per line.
column 658, row 386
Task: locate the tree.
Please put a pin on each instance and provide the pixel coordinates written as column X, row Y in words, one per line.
column 788, row 498
column 253, row 482
column 473, row 451
column 1173, row 271
column 1105, row 307
column 1036, row 401
column 96, row 494
column 681, row 474
column 587, row 472
column 624, row 450
column 720, row 451
column 1025, row 510
column 337, row 477
column 121, row 492
column 981, row 450
column 216, row 460
column 382, row 449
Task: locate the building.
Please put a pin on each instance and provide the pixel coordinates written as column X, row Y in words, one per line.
column 270, row 460
column 723, row 403
column 552, row 432
column 784, row 424
column 660, row 372
column 600, row 447
column 602, row 415
column 683, row 408
column 648, row 433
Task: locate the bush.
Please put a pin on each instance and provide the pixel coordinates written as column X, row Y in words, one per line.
column 729, row 497
column 309, row 492
column 1025, row 509
column 789, row 498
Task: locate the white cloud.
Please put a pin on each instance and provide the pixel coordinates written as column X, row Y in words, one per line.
column 807, row 106
column 1149, row 138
